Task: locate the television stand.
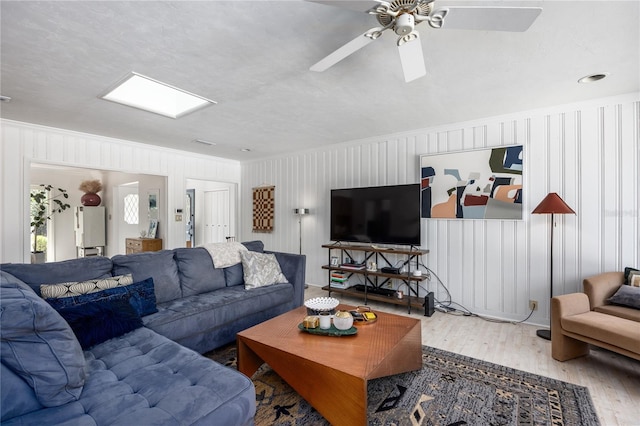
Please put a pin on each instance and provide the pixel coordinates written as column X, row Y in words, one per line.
column 375, row 281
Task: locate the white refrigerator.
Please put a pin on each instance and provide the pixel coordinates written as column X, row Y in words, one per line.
column 90, row 227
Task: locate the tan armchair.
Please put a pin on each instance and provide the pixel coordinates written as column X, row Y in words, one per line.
column 580, row 319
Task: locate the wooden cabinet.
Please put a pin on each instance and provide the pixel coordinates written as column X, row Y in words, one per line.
column 139, row 245
column 373, row 288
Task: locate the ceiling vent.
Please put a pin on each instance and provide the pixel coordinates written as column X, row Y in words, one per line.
column 203, row 142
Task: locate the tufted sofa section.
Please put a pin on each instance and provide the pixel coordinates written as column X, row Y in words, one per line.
column 144, row 378
column 151, row 375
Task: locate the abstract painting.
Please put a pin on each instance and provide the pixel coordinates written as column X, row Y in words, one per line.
column 478, row 184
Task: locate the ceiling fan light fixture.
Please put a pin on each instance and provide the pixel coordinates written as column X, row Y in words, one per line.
column 405, row 24
column 592, row 78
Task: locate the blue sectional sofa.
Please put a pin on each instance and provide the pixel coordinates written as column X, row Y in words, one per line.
column 153, row 374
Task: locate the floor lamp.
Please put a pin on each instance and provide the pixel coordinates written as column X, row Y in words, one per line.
column 551, row 204
column 300, row 213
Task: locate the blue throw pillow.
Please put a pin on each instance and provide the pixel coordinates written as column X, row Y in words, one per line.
column 101, row 320
column 141, row 297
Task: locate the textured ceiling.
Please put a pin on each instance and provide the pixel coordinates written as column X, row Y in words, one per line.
column 253, row 58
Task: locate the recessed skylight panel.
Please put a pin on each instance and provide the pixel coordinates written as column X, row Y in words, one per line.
column 151, row 95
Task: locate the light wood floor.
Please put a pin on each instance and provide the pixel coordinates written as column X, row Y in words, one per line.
column 613, row 380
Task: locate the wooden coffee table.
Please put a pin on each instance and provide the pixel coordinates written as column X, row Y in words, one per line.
column 331, row 373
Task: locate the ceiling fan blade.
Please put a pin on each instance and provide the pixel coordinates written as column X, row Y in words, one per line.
column 410, row 48
column 357, row 5
column 354, row 45
column 516, row 19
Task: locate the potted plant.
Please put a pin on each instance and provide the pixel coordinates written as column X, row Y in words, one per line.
column 40, row 200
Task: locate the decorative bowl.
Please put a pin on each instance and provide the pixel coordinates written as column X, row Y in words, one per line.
column 343, row 320
column 321, row 304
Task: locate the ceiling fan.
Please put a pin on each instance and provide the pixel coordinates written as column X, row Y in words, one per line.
column 402, row 16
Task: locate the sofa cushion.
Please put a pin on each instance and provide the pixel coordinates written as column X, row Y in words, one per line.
column 101, row 319
column 18, row 397
column 158, row 265
column 141, row 296
column 626, row 296
column 75, row 288
column 217, row 310
column 260, row 270
column 233, row 275
column 196, row 271
column 83, row 269
column 38, row 345
column 256, row 245
column 142, row 378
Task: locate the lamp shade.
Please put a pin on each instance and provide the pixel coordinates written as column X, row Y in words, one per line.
column 301, row 211
column 553, row 204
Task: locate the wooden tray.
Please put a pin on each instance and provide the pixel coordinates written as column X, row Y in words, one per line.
column 333, row 331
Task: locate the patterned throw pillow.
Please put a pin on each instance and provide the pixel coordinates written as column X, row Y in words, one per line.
column 49, row 291
column 141, row 296
column 630, row 275
column 261, row 269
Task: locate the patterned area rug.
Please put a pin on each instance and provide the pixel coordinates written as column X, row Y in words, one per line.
column 450, row 389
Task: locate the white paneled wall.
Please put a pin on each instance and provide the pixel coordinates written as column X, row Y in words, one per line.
column 24, row 143
column 589, row 153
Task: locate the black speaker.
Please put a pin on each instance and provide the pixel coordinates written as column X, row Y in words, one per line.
column 428, row 304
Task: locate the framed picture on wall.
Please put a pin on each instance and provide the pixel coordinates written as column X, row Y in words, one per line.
column 153, row 228
column 475, row 184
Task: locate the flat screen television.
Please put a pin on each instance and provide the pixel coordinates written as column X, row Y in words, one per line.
column 379, row 214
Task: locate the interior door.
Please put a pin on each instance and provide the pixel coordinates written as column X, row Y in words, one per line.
column 217, row 216
column 127, row 216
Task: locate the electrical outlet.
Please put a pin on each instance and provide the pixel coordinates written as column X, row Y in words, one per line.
column 533, row 305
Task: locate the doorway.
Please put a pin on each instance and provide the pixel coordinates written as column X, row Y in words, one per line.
column 216, row 216
column 190, row 215
column 213, row 211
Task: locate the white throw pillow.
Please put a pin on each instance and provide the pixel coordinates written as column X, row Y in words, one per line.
column 260, row 269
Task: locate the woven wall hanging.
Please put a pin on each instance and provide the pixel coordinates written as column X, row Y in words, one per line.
column 264, row 208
